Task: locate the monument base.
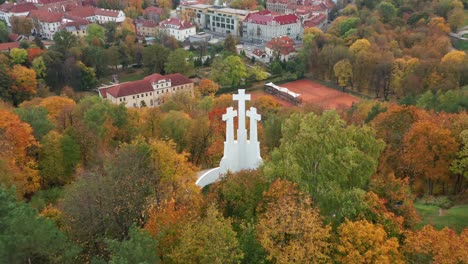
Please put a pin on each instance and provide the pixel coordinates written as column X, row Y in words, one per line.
column 208, row 177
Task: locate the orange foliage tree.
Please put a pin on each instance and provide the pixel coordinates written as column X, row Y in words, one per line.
column 60, row 109
column 290, row 229
column 24, row 83
column 432, row 246
column 207, row 87
column 428, row 151
column 16, row 141
column 364, row 242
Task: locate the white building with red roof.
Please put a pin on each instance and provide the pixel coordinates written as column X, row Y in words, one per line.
column 151, row 91
column 281, row 48
column 265, row 25
column 46, row 23
column 177, row 28
column 9, row 10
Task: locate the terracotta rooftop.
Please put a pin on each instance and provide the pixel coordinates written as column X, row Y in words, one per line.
column 9, row 45
column 266, row 17
column 82, row 11
column 315, row 20
column 22, row 8
column 175, row 22
column 45, row 16
column 142, row 86
column 153, row 10
column 106, row 12
column 145, row 23
column 282, row 44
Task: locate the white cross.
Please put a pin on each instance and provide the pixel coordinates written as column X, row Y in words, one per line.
column 254, row 117
column 241, row 131
column 229, row 118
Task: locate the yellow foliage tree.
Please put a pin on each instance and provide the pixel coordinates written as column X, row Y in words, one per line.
column 290, row 229
column 343, row 71
column 364, row 242
column 360, row 45
column 60, row 109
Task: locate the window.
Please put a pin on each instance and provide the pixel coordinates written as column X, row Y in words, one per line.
column 133, row 97
column 138, row 96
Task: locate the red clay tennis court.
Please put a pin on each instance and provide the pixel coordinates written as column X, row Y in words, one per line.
column 312, row 92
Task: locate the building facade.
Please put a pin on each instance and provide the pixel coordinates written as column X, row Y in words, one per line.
column 177, row 28
column 265, row 25
column 281, row 48
column 149, row 92
column 217, row 19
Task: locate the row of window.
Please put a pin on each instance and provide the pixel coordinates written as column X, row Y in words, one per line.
column 223, row 25
column 157, row 92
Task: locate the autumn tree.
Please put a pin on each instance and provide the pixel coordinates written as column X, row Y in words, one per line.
column 175, row 125
column 290, row 229
column 360, row 45
column 364, row 242
column 432, row 246
column 319, row 153
column 428, row 151
column 16, row 145
column 21, row 25
column 18, row 56
column 209, row 239
column 391, row 126
column 24, row 84
column 59, row 109
column 343, row 72
column 94, row 35
column 207, row 87
column 397, row 195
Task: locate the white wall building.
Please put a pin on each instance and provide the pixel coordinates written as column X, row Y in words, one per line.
column 217, row 19
column 149, row 92
column 265, row 25
column 177, row 28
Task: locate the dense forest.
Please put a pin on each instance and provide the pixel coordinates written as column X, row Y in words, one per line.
column 86, row 181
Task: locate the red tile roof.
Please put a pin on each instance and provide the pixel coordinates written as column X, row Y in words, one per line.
column 130, row 88
column 82, row 11
column 9, row 45
column 5, row 7
column 142, row 86
column 282, row 44
column 145, row 23
column 153, row 10
column 22, row 8
column 177, row 23
column 106, row 12
column 266, row 17
column 45, row 16
column 315, row 20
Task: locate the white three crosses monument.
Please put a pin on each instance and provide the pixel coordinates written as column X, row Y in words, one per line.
column 240, row 153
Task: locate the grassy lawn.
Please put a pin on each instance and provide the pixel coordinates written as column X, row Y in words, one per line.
column 455, row 217
column 460, row 44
